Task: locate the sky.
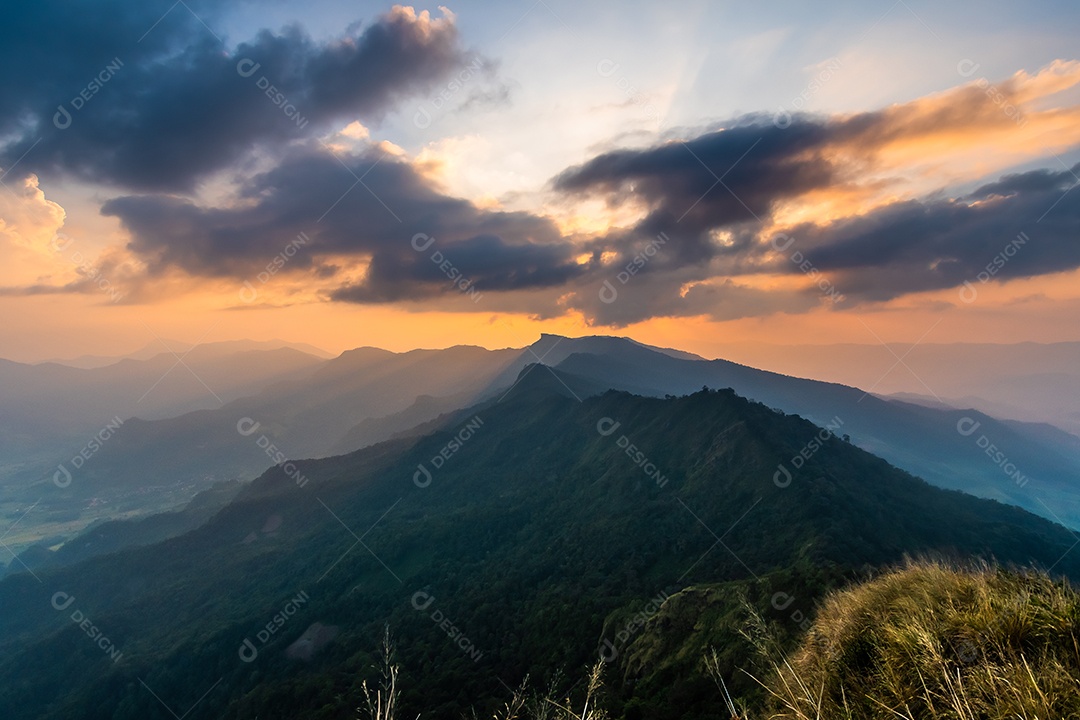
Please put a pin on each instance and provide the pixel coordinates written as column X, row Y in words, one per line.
column 695, row 174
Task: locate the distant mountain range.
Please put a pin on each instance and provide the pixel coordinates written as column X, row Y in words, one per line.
column 1035, row 382
column 517, row 536
column 47, row 410
column 166, row 346
column 305, row 407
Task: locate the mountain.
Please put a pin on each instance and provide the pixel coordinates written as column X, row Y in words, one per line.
column 303, row 417
column 429, row 413
column 55, row 419
column 90, row 362
column 1035, row 382
column 227, row 347
column 370, row 395
column 505, row 543
column 114, row 535
column 48, row 411
column 553, row 349
column 364, row 396
column 1025, row 464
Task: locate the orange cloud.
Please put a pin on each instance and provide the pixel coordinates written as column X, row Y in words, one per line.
column 960, row 135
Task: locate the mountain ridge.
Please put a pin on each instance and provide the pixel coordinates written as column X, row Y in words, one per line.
column 532, row 530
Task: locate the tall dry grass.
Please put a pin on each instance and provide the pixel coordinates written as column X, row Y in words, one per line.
column 381, row 699
column 932, row 642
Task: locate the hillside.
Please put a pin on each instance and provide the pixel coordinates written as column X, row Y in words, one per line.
column 934, row 642
column 526, row 525
column 50, row 409
column 1024, row 464
column 369, row 395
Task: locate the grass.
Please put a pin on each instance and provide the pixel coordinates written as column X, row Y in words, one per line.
column 381, row 702
column 552, row 706
column 925, row 642
column 934, row 642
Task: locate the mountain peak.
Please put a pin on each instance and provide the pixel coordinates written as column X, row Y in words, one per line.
column 537, row 380
column 597, row 344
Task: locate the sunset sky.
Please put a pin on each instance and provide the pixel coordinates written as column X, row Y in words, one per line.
column 693, row 175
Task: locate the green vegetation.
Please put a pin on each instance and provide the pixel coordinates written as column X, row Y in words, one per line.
column 539, row 538
column 927, row 641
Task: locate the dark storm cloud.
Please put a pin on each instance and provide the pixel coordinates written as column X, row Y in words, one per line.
column 728, row 180
column 1029, row 182
column 486, row 262
column 163, row 105
column 685, row 292
column 722, row 179
column 707, row 199
column 1023, row 225
column 368, row 206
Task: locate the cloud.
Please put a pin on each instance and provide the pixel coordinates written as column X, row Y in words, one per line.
column 28, row 224
column 358, row 209
column 1023, row 225
column 725, row 179
column 862, row 194
column 41, row 259
column 119, row 95
column 858, row 193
